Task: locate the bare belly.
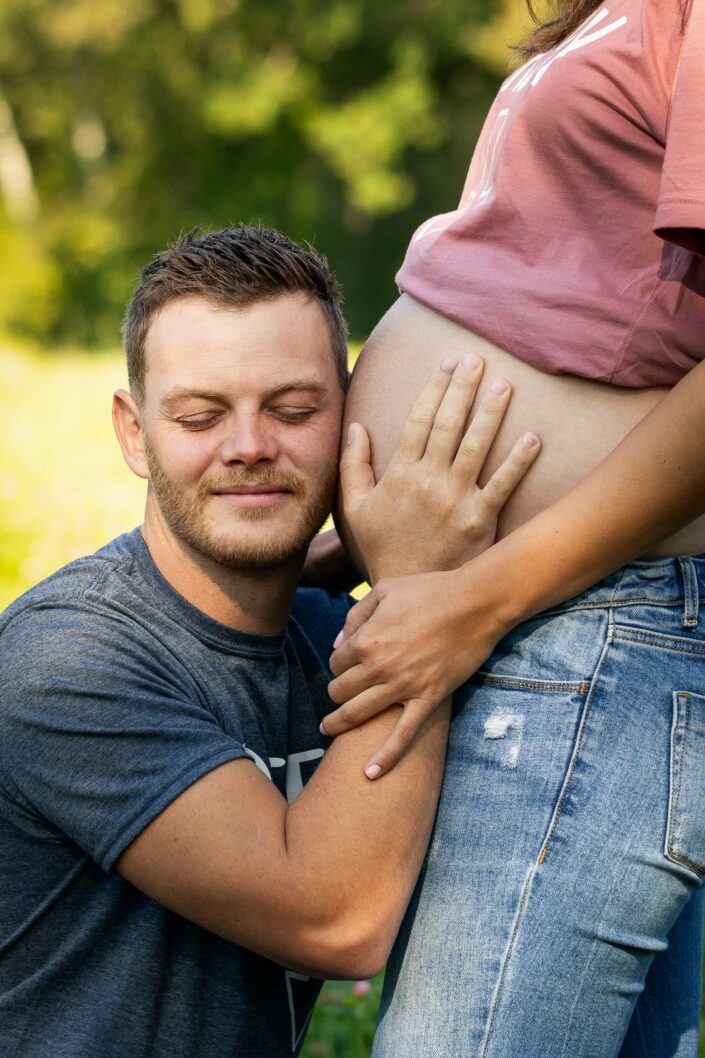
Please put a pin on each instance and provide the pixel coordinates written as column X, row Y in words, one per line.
column 578, row 420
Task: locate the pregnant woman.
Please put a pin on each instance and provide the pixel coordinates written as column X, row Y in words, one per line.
column 559, row 912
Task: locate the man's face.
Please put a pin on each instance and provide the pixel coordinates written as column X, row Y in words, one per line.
column 241, row 426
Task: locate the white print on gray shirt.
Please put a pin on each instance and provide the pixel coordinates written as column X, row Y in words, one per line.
column 294, row 786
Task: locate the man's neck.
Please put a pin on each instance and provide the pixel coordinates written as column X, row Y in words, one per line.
column 258, row 602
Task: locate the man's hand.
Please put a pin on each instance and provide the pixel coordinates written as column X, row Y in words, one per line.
column 428, row 512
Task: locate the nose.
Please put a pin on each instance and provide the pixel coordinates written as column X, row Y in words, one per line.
column 250, row 440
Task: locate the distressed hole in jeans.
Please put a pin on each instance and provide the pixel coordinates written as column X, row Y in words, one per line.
column 505, row 728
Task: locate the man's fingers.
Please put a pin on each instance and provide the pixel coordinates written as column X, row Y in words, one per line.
column 453, row 411
column 417, row 428
column 507, row 476
column 401, row 738
column 360, row 708
column 480, row 434
column 356, row 474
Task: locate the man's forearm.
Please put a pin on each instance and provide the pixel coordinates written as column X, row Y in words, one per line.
column 356, row 847
column 652, row 484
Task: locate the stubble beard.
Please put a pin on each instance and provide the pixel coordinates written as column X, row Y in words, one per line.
column 185, row 514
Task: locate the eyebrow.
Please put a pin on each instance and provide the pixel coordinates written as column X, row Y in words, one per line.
column 180, row 393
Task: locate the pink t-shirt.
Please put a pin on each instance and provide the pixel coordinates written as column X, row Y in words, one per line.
column 559, row 250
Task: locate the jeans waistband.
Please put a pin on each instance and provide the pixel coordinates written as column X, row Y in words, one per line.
column 676, row 581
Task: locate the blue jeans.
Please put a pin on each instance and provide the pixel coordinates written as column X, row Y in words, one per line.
column 559, row 910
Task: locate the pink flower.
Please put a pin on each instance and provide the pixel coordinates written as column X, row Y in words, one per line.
column 361, row 988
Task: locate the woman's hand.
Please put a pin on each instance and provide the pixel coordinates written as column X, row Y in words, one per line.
column 412, row 640
column 428, row 512
column 407, row 642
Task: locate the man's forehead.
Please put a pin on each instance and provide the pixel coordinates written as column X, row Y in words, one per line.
column 201, row 348
column 184, row 318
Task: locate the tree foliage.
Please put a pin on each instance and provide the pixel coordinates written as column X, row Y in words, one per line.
column 124, row 121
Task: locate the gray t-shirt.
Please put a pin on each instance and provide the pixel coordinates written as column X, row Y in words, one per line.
column 116, row 695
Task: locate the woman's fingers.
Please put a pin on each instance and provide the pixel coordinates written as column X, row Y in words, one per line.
column 417, row 428
column 405, row 731
column 507, row 476
column 452, row 413
column 344, row 656
column 360, row 708
column 480, row 434
column 356, row 678
column 357, row 478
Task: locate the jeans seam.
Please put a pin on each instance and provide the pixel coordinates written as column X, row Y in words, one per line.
column 526, row 683
column 671, row 841
column 507, row 956
column 544, row 846
column 578, row 743
column 663, row 642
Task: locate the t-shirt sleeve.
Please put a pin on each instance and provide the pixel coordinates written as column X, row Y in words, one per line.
column 681, row 202
column 100, row 729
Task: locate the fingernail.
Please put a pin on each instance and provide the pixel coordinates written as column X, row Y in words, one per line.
column 498, row 385
column 529, row 440
column 322, row 728
column 470, row 362
column 449, row 366
column 372, row 771
column 338, row 639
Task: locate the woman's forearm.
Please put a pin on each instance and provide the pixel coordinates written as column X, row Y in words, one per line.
column 652, row 484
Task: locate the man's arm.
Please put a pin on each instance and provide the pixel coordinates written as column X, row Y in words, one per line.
column 320, row 885
column 400, row 645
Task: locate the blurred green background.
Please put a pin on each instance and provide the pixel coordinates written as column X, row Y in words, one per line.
column 123, row 122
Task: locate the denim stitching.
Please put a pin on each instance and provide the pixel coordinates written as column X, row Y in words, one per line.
column 618, row 604
column 494, row 1003
column 686, row 722
column 527, row 683
column 544, row 847
column 671, row 777
column 664, row 642
column 690, row 590
column 673, row 837
column 578, row 744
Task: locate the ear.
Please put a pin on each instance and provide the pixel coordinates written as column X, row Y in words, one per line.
column 127, row 421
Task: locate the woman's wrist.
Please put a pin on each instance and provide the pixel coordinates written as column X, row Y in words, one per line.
column 501, row 586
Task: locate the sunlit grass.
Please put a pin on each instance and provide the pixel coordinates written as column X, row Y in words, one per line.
column 64, row 488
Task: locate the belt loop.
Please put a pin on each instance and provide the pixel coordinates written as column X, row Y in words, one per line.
column 690, row 592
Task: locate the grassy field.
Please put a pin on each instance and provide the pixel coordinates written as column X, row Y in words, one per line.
column 64, row 491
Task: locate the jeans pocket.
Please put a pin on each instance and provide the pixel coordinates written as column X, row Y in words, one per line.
column 685, row 833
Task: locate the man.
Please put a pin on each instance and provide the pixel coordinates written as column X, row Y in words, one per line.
column 167, row 887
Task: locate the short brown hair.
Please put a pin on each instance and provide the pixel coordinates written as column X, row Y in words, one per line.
column 232, row 267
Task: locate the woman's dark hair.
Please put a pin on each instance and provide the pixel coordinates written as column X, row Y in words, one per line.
column 567, row 16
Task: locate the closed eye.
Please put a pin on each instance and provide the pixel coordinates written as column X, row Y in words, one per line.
column 296, row 414
column 201, row 423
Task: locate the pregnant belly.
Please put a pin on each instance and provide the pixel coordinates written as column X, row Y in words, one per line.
column 578, row 420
